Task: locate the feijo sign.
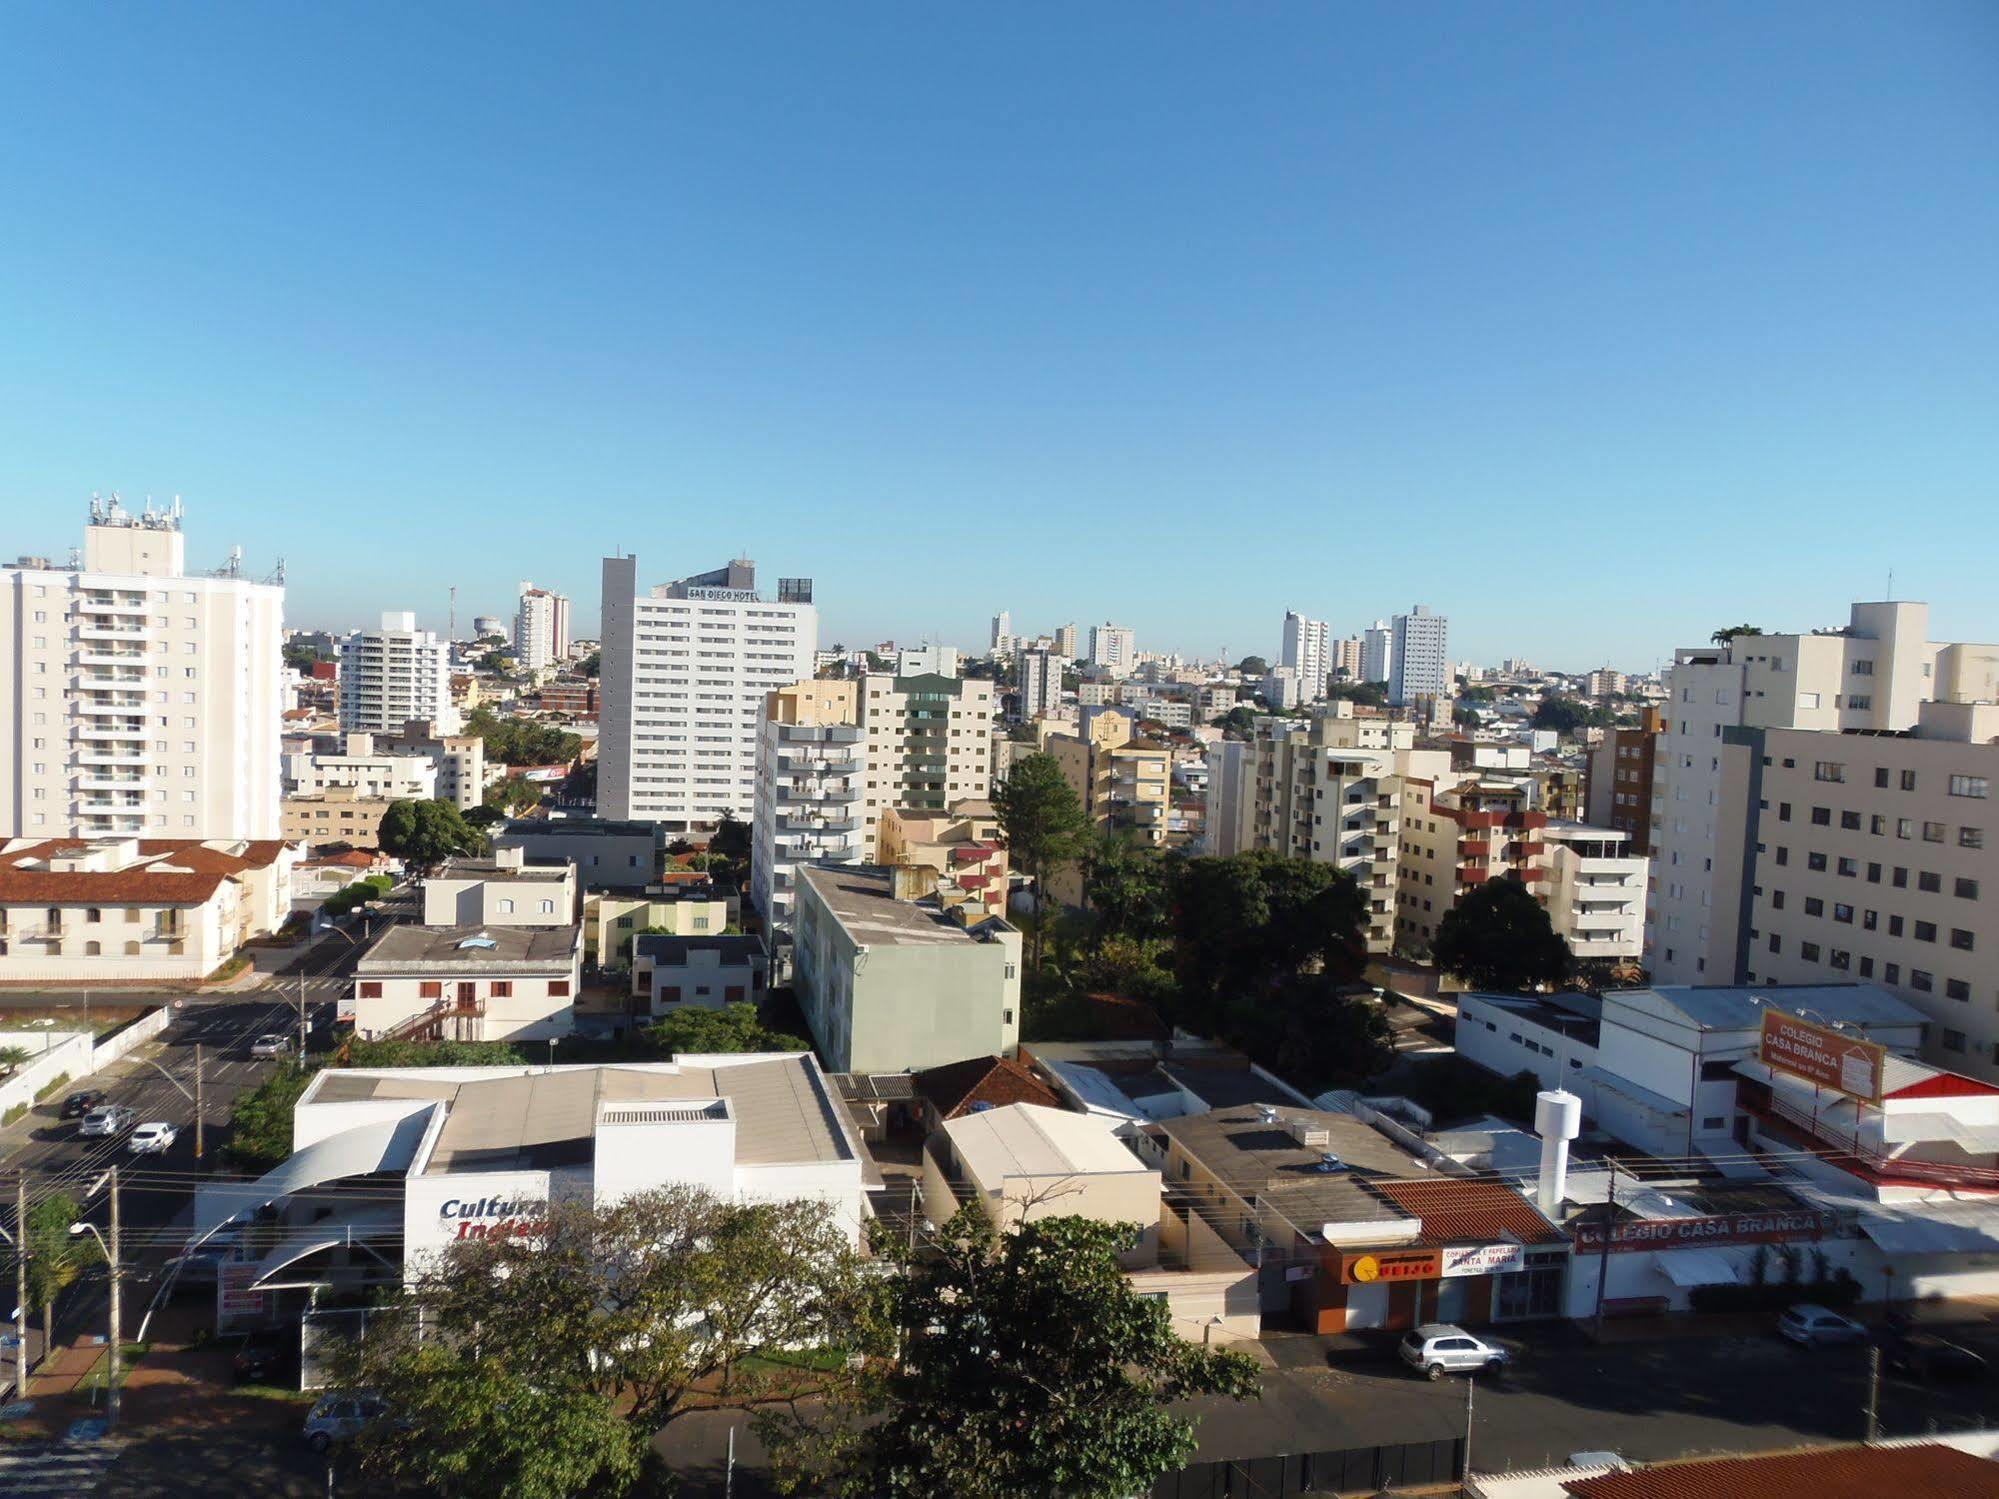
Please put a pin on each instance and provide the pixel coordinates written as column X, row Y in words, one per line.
column 1370, row 1266
column 1821, row 1055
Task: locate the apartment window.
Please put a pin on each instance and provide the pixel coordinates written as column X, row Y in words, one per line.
column 1842, row 912
column 1926, row 931
column 1776, row 943
column 1965, row 889
column 1867, row 968
column 1877, row 825
column 1900, row 878
column 1891, row 973
column 1850, row 821
column 1814, row 906
column 1881, row 776
column 1821, row 817
column 368, row 989
column 1783, row 855
column 1951, row 1040
column 1961, row 939
column 1809, row 951
column 1967, row 786
column 1815, row 861
column 1894, row 925
column 1956, row 989
column 1849, row 867
column 1869, row 920
column 1908, row 780
column 1971, row 837
column 1783, row 811
column 430, row 989
column 1929, row 881
column 1873, row 874
column 1922, row 980
column 1776, row 900
column 1904, row 828
column 558, row 988
column 1932, row 832
column 1828, row 770
column 502, row 989
column 1841, row 958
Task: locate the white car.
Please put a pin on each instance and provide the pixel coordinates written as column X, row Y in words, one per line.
column 269, row 1046
column 153, row 1138
column 1437, row 1348
column 1815, row 1326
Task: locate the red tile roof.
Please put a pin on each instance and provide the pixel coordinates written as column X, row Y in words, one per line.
column 955, row 1087
column 1928, row 1471
column 1455, row 1211
column 168, row 871
column 1944, row 1085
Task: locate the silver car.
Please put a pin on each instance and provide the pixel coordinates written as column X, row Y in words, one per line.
column 338, row 1416
column 1437, row 1348
column 1814, row 1326
column 269, row 1046
column 110, row 1119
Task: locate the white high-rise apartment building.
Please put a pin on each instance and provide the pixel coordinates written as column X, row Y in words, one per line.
column 1065, row 642
column 1002, row 634
column 1343, row 659
column 928, row 659
column 1419, row 667
column 541, row 628
column 1307, row 651
column 929, row 744
column 1375, row 641
column 136, row 699
column 393, row 675
column 685, row 672
column 1114, row 648
column 1872, row 675
column 1040, row 683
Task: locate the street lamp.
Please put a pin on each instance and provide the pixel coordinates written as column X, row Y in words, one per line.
column 77, row 1230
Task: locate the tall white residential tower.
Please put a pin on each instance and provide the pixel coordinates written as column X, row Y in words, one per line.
column 138, row 699
column 541, row 628
column 393, row 675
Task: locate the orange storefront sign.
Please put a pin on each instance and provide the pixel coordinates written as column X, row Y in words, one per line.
column 1368, row 1266
column 1819, row 1054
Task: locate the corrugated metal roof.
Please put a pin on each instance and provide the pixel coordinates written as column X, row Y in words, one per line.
column 1926, row 1472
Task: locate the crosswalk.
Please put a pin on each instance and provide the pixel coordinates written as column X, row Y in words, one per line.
column 47, row 1470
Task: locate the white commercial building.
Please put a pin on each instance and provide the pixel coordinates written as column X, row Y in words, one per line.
column 1419, row 667
column 1283, row 689
column 1871, row 676
column 394, row 674
column 541, row 628
column 358, row 766
column 927, row 661
column 135, row 698
column 685, row 672
column 1307, row 652
column 1595, row 891
column 1114, row 648
column 391, row 1166
column 1002, row 634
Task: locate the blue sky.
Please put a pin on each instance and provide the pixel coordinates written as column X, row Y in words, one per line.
column 1594, row 327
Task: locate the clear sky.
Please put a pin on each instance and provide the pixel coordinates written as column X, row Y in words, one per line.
column 1592, row 326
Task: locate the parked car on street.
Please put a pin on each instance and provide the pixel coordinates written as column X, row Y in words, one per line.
column 82, row 1102
column 152, row 1138
column 1437, row 1348
column 269, row 1046
column 266, row 1357
column 338, row 1416
column 107, row 1119
column 1818, row 1326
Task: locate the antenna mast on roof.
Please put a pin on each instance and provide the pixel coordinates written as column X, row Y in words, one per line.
column 452, row 628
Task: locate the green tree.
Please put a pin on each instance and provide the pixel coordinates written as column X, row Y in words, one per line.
column 517, row 741
column 1367, row 694
column 592, row 664
column 12, row 1057
column 594, row 1327
column 1466, row 718
column 55, row 1256
column 1565, row 715
column 731, row 1028
column 260, row 1127
column 1253, row 666
column 1728, row 633
column 1477, row 695
column 1498, row 937
column 1238, row 723
column 1029, row 1365
column 1044, row 824
column 1126, row 883
column 356, row 893
column 513, row 794
column 427, row 833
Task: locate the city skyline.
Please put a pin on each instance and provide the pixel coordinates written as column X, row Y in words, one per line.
column 1161, row 326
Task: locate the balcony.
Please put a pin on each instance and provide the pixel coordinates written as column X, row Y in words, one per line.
column 111, row 705
column 109, row 731
column 1474, row 848
column 111, row 757
column 98, row 604
column 1473, row 874
column 103, row 655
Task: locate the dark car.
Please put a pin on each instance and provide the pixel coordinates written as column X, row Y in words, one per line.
column 78, row 1104
column 266, row 1357
column 1926, row 1356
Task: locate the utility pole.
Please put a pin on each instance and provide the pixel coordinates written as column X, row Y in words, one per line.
column 21, row 1288
column 1603, row 1259
column 197, row 1101
column 117, row 1305
column 1874, row 1393
column 1471, row 1384
column 301, row 1017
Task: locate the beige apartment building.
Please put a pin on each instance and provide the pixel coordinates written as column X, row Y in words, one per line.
column 1124, row 783
column 1870, row 675
column 964, row 846
column 340, row 815
column 1874, row 858
column 929, row 744
column 138, row 699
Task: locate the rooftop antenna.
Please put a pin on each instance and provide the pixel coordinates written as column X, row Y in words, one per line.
column 1891, row 585
column 453, row 627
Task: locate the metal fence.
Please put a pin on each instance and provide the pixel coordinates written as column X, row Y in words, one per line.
column 1351, row 1470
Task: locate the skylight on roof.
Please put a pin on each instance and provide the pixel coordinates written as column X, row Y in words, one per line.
column 482, row 940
